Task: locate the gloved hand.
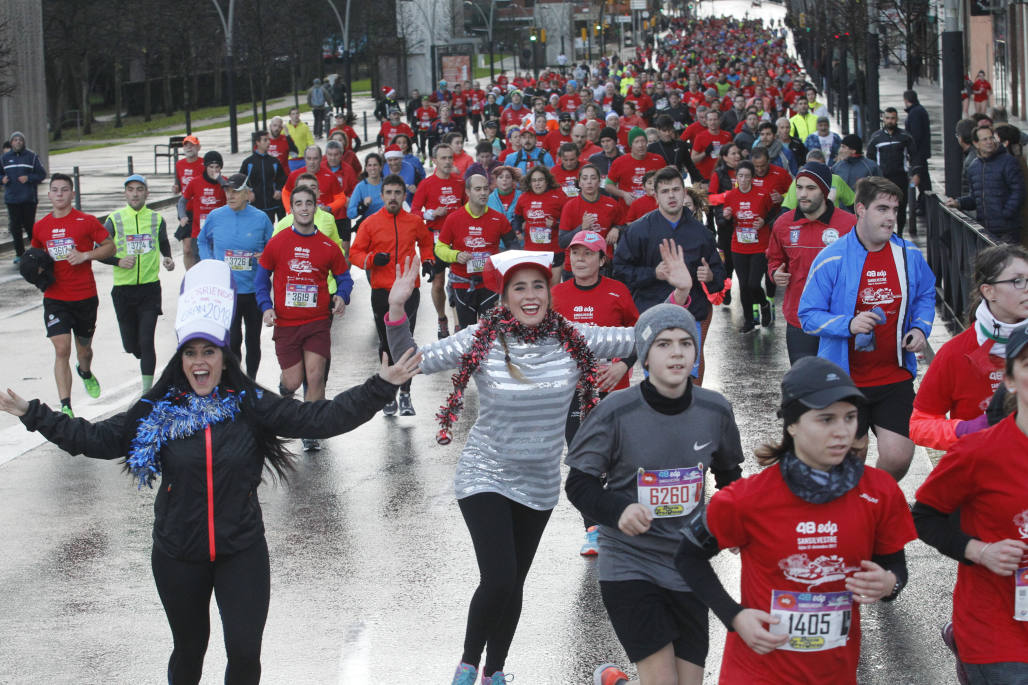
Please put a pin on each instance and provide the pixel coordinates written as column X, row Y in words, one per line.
column 865, row 342
column 428, row 270
column 381, row 259
column 972, row 425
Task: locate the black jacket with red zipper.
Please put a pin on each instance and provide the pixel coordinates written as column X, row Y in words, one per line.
column 194, row 522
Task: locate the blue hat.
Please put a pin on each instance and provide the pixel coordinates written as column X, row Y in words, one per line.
column 138, row 178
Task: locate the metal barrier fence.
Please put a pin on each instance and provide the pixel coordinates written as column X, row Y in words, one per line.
column 953, row 241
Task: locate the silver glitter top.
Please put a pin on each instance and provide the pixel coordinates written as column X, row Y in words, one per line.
column 515, row 445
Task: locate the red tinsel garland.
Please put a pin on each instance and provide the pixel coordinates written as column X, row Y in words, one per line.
column 500, row 319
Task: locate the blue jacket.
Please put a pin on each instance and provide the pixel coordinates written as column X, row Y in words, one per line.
column 813, row 142
column 997, row 193
column 16, row 164
column 638, row 254
column 854, row 168
column 520, row 159
column 829, row 298
column 363, row 190
column 245, row 231
column 494, row 203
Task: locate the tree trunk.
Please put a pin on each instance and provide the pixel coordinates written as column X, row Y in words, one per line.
column 169, row 107
column 147, row 101
column 117, row 93
column 87, row 111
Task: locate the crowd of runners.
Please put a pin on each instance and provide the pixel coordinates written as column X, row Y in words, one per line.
column 575, row 256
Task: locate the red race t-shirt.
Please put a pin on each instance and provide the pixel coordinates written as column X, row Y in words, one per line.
column 186, row 171
column 440, row 196
column 606, row 210
column 535, row 210
column 627, row 172
column 711, row 144
column 424, row 116
column 478, row 235
column 983, row 476
column 879, row 287
column 76, row 231
column 202, row 198
column 961, row 379
column 279, row 149
column 300, row 266
column 796, row 557
column 776, row 178
column 567, row 180
column 746, row 209
column 608, row 303
column 641, row 207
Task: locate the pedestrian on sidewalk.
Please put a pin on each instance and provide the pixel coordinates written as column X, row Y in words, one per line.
column 319, row 99
column 997, row 188
column 896, row 154
column 21, row 172
column 72, row 239
column 209, row 539
column 919, row 126
column 141, row 241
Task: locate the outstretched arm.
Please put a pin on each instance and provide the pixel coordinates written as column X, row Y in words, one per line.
column 100, row 440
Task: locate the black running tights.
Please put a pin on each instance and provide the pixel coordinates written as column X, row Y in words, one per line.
column 750, row 270
column 248, row 312
column 241, row 584
column 506, row 535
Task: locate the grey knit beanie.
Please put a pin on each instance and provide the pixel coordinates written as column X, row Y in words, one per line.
column 660, row 318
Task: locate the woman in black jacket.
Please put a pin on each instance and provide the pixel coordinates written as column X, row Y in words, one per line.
column 207, row 431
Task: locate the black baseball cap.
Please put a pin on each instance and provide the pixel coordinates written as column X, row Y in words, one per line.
column 816, row 383
column 1016, row 341
column 237, row 182
column 565, row 116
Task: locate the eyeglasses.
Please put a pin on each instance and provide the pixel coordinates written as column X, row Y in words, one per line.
column 1020, row 283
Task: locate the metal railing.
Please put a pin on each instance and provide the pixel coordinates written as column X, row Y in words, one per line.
column 953, row 241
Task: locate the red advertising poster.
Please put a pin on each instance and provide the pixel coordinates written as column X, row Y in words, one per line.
column 456, row 68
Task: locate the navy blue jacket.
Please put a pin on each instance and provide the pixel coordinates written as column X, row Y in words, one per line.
column 996, row 193
column 920, row 129
column 638, row 254
column 16, row 164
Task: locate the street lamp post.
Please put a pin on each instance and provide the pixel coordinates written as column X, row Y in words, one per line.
column 345, row 28
column 489, row 32
column 226, row 25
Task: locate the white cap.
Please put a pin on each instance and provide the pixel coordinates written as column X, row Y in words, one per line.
column 502, row 265
column 206, row 303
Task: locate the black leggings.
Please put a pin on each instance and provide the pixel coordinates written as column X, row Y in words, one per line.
column 506, row 535
column 137, row 308
column 242, row 587
column 379, row 307
column 750, row 269
column 249, row 311
column 471, row 304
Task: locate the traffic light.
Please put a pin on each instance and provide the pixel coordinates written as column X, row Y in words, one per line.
column 542, row 35
column 532, row 35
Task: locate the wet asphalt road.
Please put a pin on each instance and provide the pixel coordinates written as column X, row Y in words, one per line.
column 372, row 567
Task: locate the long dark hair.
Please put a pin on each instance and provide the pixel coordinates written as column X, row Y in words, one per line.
column 277, row 458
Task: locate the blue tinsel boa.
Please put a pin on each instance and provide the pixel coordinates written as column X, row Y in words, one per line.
column 177, row 415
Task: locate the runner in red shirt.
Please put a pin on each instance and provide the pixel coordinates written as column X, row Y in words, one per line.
column 475, row 98
column 186, row 169
column 625, row 177
column 469, row 235
column 983, row 477
column 968, row 369
column 553, row 140
column 300, row 260
column 707, row 144
column 202, row 196
column 591, row 211
column 819, row 533
column 747, row 207
column 981, row 90
column 537, row 215
column 796, row 239
column 72, row 239
column 571, row 100
column 332, row 197
column 279, row 144
column 565, row 174
column 645, row 204
column 437, row 196
column 769, row 178
column 391, row 128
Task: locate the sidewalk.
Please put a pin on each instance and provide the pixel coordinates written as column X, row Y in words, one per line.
column 102, row 171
